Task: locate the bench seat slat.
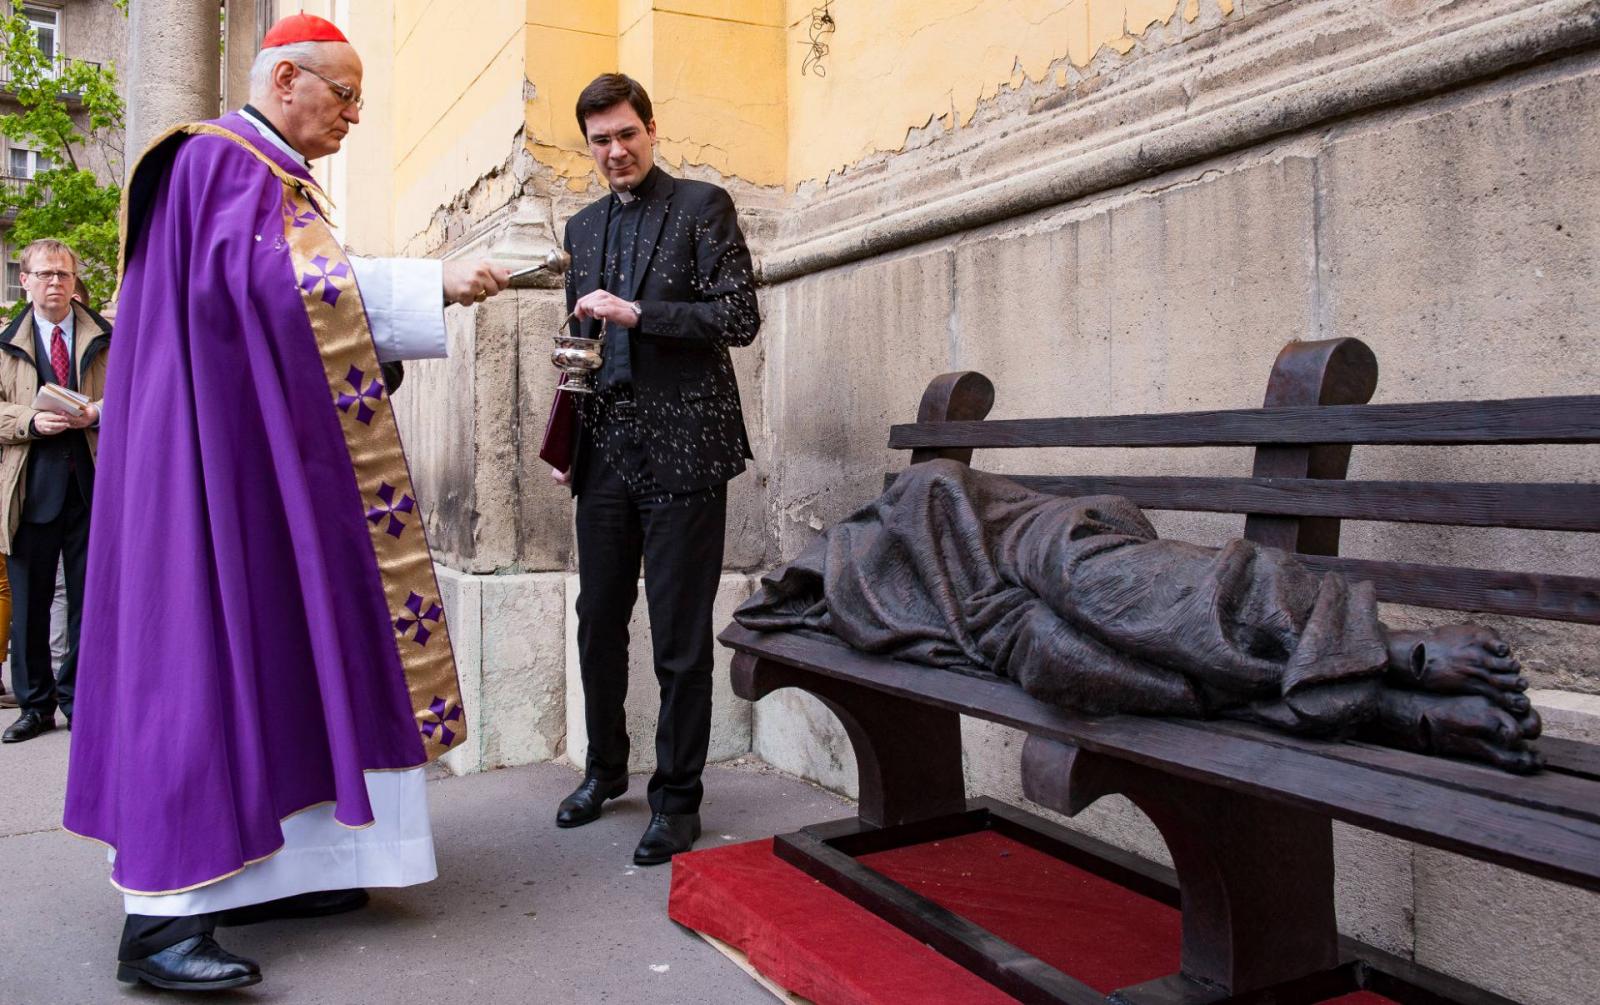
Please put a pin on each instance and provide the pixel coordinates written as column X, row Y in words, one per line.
column 1569, row 419
column 1515, row 594
column 1545, row 506
column 1481, row 824
column 1556, row 791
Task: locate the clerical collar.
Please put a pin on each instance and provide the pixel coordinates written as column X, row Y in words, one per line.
column 270, row 133
column 644, row 190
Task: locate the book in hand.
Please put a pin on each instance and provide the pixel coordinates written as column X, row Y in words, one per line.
column 560, row 431
column 61, row 400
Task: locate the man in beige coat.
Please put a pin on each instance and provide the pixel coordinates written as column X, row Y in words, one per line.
column 47, row 475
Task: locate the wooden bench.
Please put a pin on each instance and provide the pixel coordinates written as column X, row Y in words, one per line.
column 1246, row 813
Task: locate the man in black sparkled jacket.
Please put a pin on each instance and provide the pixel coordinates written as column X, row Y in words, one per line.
column 660, row 265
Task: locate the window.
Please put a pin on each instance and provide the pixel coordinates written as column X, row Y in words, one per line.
column 46, row 25
column 13, row 287
column 26, row 163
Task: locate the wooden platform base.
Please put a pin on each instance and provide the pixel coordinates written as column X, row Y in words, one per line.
column 830, row 853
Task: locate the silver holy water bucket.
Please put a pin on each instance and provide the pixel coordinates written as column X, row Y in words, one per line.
column 576, row 358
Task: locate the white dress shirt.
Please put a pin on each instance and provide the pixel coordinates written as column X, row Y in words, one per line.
column 44, row 329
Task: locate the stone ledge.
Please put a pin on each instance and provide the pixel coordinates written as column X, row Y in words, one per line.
column 509, row 634
column 1248, row 111
column 515, row 640
column 1571, row 715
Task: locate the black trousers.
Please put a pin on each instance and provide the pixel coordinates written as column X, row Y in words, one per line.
column 620, row 521
column 144, row 935
column 36, row 550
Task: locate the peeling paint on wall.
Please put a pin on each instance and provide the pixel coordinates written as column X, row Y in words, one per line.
column 726, row 74
column 897, row 66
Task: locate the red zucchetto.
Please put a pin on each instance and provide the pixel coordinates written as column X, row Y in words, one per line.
column 302, row 28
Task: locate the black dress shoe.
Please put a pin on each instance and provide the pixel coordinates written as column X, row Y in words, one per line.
column 583, row 806
column 316, row 904
column 28, row 726
column 195, row 964
column 667, row 835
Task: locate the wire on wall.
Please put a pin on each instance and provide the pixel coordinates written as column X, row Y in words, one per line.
column 822, row 25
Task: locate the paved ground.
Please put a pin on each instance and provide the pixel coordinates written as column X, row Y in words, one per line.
column 522, row 912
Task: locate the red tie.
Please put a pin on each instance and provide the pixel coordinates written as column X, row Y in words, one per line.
column 58, row 357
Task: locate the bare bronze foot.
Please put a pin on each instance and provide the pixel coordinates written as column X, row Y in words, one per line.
column 1458, row 660
column 1470, row 726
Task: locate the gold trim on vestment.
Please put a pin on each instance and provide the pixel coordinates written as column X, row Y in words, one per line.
column 392, row 513
column 324, row 203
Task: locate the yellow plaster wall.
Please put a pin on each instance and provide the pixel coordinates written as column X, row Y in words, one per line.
column 724, row 74
column 898, row 65
column 458, row 99
column 568, row 45
column 717, row 85
column 360, row 179
column 714, row 70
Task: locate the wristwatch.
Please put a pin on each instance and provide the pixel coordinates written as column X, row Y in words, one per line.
column 638, row 312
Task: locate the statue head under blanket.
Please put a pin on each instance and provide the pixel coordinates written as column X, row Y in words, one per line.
column 1079, row 602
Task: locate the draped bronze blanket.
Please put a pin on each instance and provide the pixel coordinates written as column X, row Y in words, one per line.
column 1080, row 602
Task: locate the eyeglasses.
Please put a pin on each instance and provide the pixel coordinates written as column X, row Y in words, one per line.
column 344, row 92
column 48, row 276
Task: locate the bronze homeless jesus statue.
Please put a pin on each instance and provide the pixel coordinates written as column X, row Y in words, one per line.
column 1079, row 602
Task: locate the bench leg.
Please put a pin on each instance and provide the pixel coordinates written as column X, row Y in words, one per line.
column 1256, row 878
column 908, row 754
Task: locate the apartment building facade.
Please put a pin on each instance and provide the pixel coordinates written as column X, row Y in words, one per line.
column 92, row 31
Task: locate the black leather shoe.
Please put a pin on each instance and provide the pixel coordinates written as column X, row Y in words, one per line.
column 195, row 964
column 316, row 904
column 583, row 806
column 28, row 726
column 667, row 835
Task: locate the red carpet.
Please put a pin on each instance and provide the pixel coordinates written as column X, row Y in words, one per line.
column 820, row 945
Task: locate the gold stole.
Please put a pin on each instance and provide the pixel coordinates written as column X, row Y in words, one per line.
column 393, row 516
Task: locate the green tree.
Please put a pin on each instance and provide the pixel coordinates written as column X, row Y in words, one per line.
column 66, row 201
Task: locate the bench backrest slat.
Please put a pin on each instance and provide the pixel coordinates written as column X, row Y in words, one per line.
column 1547, row 506
column 1453, row 588
column 1571, row 419
column 1445, row 587
column 1314, row 414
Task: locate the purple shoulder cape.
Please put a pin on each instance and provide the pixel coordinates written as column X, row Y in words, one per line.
column 261, row 621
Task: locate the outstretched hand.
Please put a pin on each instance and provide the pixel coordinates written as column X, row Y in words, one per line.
column 472, row 282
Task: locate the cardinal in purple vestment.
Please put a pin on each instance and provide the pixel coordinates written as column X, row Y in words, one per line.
column 265, row 663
